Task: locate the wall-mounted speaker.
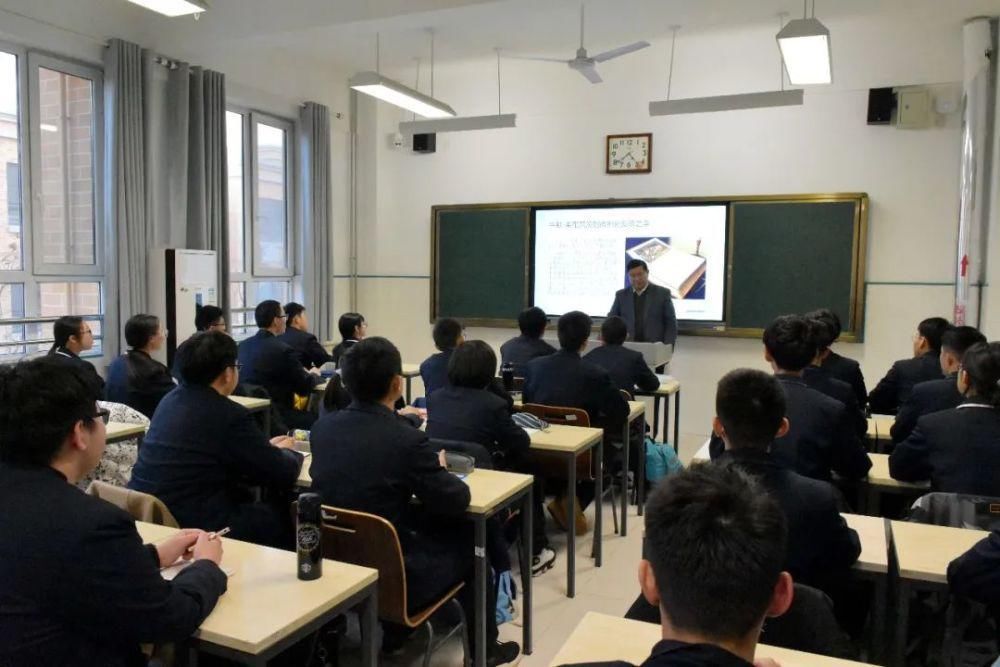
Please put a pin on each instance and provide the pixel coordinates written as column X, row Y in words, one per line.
column 424, row 143
column 881, row 103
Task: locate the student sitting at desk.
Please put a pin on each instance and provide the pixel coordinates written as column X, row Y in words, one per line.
column 936, row 395
column 72, row 336
column 448, row 334
column 352, row 328
column 297, row 335
column 893, row 390
column 958, row 450
column 817, row 377
column 976, row 573
column 135, row 378
column 77, row 585
column 519, row 350
column 468, row 410
column 366, row 458
column 626, row 367
column 268, row 361
column 821, row 438
column 564, row 379
column 842, row 368
column 715, row 548
column 209, row 318
column 204, row 454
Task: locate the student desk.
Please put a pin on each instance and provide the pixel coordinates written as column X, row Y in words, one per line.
column 569, row 442
column 703, row 455
column 873, row 565
column 267, row 608
column 117, row 431
column 880, row 482
column 921, row 554
column 599, row 637
column 878, row 430
column 256, row 405
column 491, row 491
column 636, row 410
column 669, row 385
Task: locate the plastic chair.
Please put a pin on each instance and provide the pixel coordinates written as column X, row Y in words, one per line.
column 371, row 541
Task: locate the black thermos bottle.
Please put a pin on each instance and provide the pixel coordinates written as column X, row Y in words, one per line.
column 507, row 372
column 309, row 536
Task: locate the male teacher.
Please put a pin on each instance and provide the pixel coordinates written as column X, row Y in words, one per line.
column 647, row 309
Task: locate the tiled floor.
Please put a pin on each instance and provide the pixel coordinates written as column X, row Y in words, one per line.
column 610, row 589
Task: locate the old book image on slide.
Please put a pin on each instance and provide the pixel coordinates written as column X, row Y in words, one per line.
column 669, row 266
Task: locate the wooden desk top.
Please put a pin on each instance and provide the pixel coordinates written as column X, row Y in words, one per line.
column 410, row 370
column 251, row 403
column 566, row 439
column 117, row 431
column 669, row 385
column 599, row 637
column 266, row 601
column 879, row 476
column 874, row 548
column 635, row 409
column 879, row 425
column 924, row 551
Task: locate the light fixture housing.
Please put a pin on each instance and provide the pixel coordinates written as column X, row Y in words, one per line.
column 393, row 92
column 774, row 98
column 805, row 50
column 458, row 124
column 173, row 7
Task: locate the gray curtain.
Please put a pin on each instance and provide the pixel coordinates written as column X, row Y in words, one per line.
column 315, row 205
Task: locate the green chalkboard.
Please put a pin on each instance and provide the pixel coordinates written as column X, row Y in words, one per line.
column 480, row 263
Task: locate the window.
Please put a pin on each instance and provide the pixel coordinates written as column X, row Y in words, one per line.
column 50, row 138
column 261, row 234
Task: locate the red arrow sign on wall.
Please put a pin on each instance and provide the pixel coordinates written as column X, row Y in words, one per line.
column 965, row 264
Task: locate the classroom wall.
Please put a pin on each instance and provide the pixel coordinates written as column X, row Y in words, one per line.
column 557, row 152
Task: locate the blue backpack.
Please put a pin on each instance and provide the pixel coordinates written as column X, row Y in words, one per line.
column 661, row 460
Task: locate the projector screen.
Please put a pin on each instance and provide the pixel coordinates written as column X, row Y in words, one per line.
column 580, row 256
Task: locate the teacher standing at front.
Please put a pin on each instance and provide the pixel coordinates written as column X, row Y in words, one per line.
column 647, row 309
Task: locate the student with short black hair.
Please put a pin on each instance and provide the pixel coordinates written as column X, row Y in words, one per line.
column 529, row 345
column 627, row 368
column 714, row 555
column 77, row 585
column 270, row 362
column 842, row 368
column 305, row 344
column 72, row 336
column 209, row 318
column 135, row 378
column 204, row 455
column 936, row 395
column 366, row 458
column 352, row 328
column 448, row 334
column 958, row 450
column 817, row 377
column 893, row 390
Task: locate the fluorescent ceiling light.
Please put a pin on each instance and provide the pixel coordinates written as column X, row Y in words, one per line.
column 48, row 127
column 393, row 92
column 173, row 7
column 776, row 98
column 458, row 124
column 805, row 50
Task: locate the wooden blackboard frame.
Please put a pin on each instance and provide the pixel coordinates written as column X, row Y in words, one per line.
column 853, row 329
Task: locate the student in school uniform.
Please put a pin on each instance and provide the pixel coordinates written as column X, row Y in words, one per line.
column 715, row 548
column 976, row 573
column 268, row 361
column 566, row 380
column 135, row 378
column 209, row 318
column 519, row 350
column 77, row 585
column 297, row 336
column 366, row 458
column 822, row 381
column 72, row 336
column 204, row 455
column 958, row 450
column 448, row 334
column 352, row 328
column 821, row 438
column 936, row 395
column 843, row 368
column 627, row 368
column 468, row 410
column 893, row 390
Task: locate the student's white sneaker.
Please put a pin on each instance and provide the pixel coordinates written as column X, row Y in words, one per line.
column 543, row 561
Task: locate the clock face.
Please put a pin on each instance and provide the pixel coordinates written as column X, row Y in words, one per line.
column 629, row 153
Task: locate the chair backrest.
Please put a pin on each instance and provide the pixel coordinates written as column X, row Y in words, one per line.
column 957, row 510
column 140, row 506
column 549, row 465
column 370, row 541
column 555, row 414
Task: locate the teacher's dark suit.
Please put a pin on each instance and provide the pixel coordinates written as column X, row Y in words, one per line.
column 660, row 321
column 77, row 585
column 273, row 364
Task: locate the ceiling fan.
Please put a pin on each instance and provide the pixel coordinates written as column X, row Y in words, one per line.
column 584, row 64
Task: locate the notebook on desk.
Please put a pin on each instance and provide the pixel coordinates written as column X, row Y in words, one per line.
column 169, row 572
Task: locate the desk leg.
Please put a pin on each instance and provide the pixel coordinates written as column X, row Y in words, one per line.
column 656, row 416
column 368, row 617
column 599, row 507
column 626, row 437
column 876, row 646
column 527, row 551
column 409, row 398
column 898, row 646
column 571, row 527
column 481, row 574
column 677, row 421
